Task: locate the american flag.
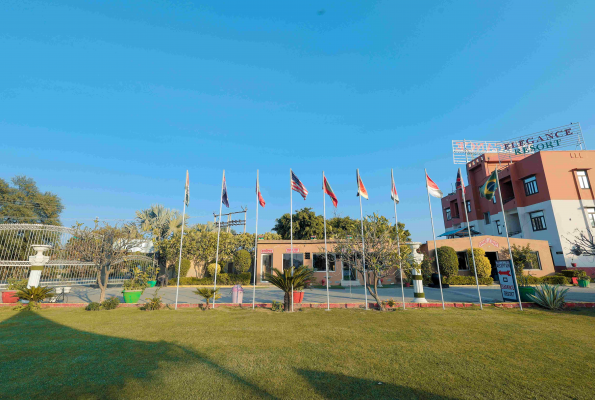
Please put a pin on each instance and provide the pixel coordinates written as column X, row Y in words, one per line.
column 459, row 184
column 298, row 186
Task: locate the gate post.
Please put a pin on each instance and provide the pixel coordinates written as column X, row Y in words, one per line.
column 37, row 261
column 418, row 288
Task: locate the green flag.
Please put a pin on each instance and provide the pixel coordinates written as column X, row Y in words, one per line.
column 488, row 189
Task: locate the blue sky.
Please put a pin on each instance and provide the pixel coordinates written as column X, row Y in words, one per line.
column 108, row 104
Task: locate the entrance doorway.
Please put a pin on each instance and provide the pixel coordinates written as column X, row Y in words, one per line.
column 493, row 256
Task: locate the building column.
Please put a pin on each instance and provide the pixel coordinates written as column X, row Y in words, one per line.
column 37, row 261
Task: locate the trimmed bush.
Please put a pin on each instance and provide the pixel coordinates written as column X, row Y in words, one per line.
column 467, row 280
column 211, row 269
column 111, row 303
column 449, row 262
column 93, row 307
column 242, row 261
column 555, row 280
column 484, row 268
column 222, row 279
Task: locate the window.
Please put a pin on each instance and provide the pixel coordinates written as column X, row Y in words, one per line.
column 298, row 260
column 533, row 261
column 486, row 218
column 468, row 205
column 531, row 186
column 448, row 216
column 498, row 227
column 591, row 215
column 494, row 198
column 319, row 264
column 538, row 221
column 266, row 266
column 462, row 256
column 583, row 181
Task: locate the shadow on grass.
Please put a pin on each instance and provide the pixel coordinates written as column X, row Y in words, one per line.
column 43, row 359
column 337, row 386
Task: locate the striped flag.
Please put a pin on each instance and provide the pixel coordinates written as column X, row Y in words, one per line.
column 328, row 190
column 488, row 189
column 393, row 191
column 224, row 199
column 460, row 184
column 298, row 186
column 260, row 199
column 361, row 189
column 187, row 193
column 433, row 189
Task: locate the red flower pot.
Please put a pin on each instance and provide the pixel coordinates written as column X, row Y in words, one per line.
column 298, row 297
column 9, row 296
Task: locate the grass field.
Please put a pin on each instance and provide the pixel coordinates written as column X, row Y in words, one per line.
column 342, row 354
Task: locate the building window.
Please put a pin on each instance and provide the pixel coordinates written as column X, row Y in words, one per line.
column 468, row 205
column 583, row 181
column 462, row 256
column 591, row 215
column 498, row 227
column 448, row 216
column 319, row 264
column 533, row 261
column 531, row 186
column 298, row 260
column 486, row 218
column 538, row 221
column 494, row 198
column 266, row 266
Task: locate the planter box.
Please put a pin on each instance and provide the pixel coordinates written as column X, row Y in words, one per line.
column 524, row 291
column 152, row 283
column 298, row 297
column 9, row 296
column 584, row 283
column 132, row 296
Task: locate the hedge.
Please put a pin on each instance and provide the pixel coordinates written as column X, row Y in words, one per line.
column 467, row 280
column 222, row 279
column 571, row 273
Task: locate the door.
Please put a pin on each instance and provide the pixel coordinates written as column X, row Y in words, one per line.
column 266, row 266
column 493, row 256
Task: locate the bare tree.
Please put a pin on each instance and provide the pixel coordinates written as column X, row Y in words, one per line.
column 582, row 244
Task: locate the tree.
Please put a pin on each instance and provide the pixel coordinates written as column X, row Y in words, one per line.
column 159, row 222
column 24, row 203
column 381, row 251
column 242, row 261
column 286, row 281
column 305, row 225
column 484, row 268
column 341, row 226
column 449, row 262
column 522, row 256
column 582, row 245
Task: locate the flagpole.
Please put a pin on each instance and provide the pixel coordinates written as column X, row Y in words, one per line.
column 361, row 213
column 328, row 298
column 218, row 235
column 516, row 284
column 469, row 227
column 398, row 242
column 255, row 244
column 434, row 235
column 180, row 258
column 291, row 232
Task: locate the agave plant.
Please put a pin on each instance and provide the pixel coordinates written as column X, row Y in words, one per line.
column 208, row 294
column 34, row 295
column 285, row 281
column 549, row 296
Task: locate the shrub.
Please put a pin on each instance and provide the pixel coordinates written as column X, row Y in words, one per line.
column 154, row 303
column 208, row 294
column 138, row 281
column 484, row 268
column 93, row 307
column 184, row 268
column 211, row 269
column 242, row 261
column 276, row 306
column 467, row 280
column 570, row 273
column 16, row 284
column 449, row 262
column 555, row 280
column 427, row 269
column 550, row 297
column 222, row 279
column 111, row 303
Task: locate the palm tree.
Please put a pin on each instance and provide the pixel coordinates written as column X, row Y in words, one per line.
column 208, row 294
column 158, row 221
column 285, row 282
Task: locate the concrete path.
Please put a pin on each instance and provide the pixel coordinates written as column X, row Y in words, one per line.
column 490, row 294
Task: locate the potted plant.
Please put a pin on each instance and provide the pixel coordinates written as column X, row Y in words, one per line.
column 134, row 287
column 583, row 279
column 286, row 282
column 524, row 288
column 14, row 285
column 152, row 276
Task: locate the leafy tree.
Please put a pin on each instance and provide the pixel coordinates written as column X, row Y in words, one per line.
column 341, row 226
column 24, row 203
column 184, row 267
column 522, row 256
column 285, row 281
column 242, row 261
column 484, row 268
column 449, row 262
column 159, row 222
column 305, row 224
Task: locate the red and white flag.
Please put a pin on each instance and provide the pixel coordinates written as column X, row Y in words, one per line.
column 433, row 189
column 361, row 189
column 260, row 199
column 393, row 191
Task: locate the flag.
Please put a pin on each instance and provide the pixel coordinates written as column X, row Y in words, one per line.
column 224, row 193
column 488, row 189
column 187, row 193
column 328, row 190
column 260, row 199
column 433, row 189
column 361, row 189
column 460, row 184
column 298, row 186
column 393, row 191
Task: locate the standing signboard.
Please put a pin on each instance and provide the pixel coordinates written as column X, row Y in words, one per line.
column 507, row 277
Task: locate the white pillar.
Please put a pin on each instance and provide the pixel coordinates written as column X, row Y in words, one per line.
column 38, row 261
column 418, row 287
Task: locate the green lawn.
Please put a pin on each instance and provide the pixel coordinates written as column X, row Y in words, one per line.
column 342, row 354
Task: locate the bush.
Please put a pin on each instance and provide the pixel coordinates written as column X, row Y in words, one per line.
column 211, row 269
column 93, row 307
column 555, row 280
column 111, row 303
column 184, row 268
column 467, row 280
column 484, row 268
column 276, row 306
column 550, row 297
column 427, row 269
column 242, row 261
column 571, row 273
column 449, row 262
column 17, row 284
column 222, row 279
column 154, row 303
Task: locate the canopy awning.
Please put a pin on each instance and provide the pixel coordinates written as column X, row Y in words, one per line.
column 460, row 232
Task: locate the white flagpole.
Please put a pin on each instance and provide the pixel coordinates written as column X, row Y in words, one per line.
column 361, row 213
column 255, row 245
column 181, row 243
column 291, row 232
column 516, row 284
column 398, row 242
column 328, row 298
column 434, row 235
column 218, row 235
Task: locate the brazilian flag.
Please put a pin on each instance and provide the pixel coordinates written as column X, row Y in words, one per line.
column 488, row 189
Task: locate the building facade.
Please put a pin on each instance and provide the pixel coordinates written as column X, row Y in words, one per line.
column 547, row 196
